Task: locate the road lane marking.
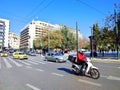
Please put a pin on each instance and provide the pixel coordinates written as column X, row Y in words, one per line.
column 113, row 78
column 7, row 63
column 38, row 62
column 24, row 62
column 32, row 87
column 57, row 74
column 119, row 67
column 39, row 70
column 32, row 62
column 91, row 83
column 17, row 64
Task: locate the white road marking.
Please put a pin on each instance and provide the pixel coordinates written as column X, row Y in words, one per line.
column 57, row 74
column 17, row 64
column 7, row 63
column 39, row 70
column 32, row 87
column 38, row 62
column 32, row 62
column 119, row 67
column 113, row 78
column 91, row 83
column 24, row 62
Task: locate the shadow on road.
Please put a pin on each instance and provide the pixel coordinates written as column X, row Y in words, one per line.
column 71, row 72
column 66, row 70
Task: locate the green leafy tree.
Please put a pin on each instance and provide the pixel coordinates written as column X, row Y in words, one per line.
column 68, row 41
column 36, row 44
column 55, row 39
column 96, row 34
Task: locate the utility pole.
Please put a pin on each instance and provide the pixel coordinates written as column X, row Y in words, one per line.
column 76, row 37
column 91, row 40
column 116, row 28
column 48, row 38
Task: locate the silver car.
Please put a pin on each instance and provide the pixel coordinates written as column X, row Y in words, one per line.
column 55, row 57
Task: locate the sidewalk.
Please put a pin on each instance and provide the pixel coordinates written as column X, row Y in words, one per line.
column 108, row 57
column 105, row 59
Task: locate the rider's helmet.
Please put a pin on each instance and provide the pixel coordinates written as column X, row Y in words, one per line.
column 81, row 51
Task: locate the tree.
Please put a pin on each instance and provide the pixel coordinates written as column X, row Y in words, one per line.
column 36, row 43
column 68, row 41
column 55, row 39
column 96, row 34
column 83, row 43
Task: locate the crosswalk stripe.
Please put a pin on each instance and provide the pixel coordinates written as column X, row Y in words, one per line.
column 7, row 63
column 32, row 62
column 17, row 64
column 24, row 62
column 38, row 62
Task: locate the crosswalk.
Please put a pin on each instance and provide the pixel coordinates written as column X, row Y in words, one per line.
column 8, row 62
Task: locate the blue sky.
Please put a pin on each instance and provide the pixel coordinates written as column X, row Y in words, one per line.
column 66, row 12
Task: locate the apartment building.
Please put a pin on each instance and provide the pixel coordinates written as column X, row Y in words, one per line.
column 32, row 31
column 14, row 41
column 4, row 32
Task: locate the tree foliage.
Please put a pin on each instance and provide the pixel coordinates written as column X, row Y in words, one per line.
column 68, row 41
column 106, row 36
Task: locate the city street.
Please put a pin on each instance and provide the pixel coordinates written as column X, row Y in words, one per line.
column 37, row 74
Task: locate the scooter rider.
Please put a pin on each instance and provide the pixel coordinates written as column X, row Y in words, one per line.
column 81, row 59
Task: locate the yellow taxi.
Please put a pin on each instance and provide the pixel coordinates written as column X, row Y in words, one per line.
column 20, row 55
column 3, row 54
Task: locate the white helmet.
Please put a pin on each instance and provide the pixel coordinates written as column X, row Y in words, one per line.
column 82, row 50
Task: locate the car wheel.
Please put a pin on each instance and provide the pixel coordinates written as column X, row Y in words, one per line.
column 57, row 61
column 45, row 59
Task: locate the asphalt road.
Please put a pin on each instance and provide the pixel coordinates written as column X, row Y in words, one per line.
column 37, row 74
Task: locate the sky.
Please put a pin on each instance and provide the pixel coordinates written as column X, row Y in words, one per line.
column 66, row 12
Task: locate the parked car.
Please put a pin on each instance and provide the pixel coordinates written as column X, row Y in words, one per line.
column 55, row 57
column 3, row 54
column 20, row 55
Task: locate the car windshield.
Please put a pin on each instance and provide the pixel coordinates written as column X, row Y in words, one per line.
column 58, row 54
column 21, row 53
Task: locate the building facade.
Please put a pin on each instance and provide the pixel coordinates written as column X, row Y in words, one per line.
column 36, row 29
column 4, row 33
column 14, row 41
column 32, row 31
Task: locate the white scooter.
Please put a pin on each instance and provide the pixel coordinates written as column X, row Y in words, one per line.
column 91, row 70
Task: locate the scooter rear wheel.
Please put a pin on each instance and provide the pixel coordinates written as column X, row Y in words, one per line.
column 76, row 72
